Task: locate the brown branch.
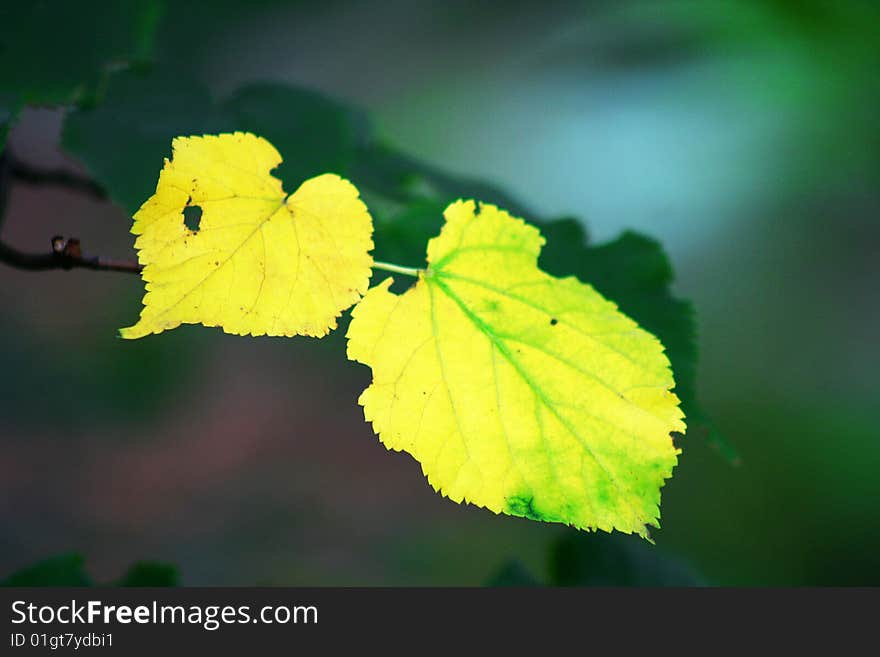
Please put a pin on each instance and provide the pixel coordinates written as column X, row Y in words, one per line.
column 65, row 254
column 23, row 172
column 5, row 177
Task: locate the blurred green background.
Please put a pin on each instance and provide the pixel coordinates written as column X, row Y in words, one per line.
column 744, row 136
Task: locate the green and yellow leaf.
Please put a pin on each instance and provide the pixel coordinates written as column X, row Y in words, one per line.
column 258, row 262
column 517, row 391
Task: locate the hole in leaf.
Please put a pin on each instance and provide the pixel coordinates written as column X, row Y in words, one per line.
column 554, row 322
column 192, row 217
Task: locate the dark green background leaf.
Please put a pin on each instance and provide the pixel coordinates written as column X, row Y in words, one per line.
column 63, row 570
column 123, row 142
column 313, row 133
column 55, row 53
column 69, row 570
column 513, row 573
column 600, row 559
column 150, row 573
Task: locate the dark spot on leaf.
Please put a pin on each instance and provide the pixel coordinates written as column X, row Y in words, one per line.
column 192, row 217
column 523, row 505
column 554, row 322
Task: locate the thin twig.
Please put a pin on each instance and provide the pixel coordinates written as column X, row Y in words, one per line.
column 65, row 254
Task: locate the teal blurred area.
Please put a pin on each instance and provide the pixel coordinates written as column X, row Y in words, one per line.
column 744, row 136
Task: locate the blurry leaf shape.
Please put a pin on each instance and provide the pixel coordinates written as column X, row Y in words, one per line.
column 319, row 134
column 59, row 52
column 260, row 262
column 62, row 570
column 69, row 570
column 517, row 391
column 577, row 559
column 150, row 573
column 512, row 573
column 603, row 560
column 123, row 141
column 405, row 179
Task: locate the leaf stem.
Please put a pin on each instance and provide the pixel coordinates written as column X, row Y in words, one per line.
column 397, row 269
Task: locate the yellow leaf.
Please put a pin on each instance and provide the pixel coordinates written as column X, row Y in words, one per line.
column 259, row 262
column 515, row 390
